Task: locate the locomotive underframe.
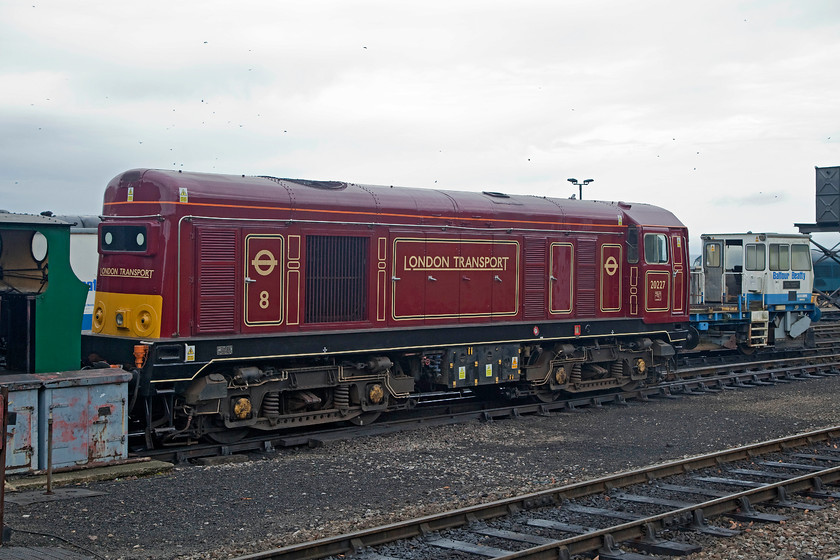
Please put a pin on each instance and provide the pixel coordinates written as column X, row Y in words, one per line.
column 362, row 374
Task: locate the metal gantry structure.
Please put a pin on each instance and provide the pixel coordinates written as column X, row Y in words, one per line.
column 827, row 265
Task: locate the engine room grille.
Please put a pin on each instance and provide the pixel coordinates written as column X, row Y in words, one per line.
column 587, row 284
column 336, row 279
column 535, row 254
column 216, row 274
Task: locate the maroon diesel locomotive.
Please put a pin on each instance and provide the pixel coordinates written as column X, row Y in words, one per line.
column 262, row 303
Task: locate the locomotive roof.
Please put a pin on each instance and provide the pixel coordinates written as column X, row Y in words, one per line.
column 173, row 192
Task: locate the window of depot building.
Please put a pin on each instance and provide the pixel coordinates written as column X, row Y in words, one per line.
column 755, row 256
column 779, row 256
column 656, row 248
column 336, row 279
column 800, row 257
column 123, row 238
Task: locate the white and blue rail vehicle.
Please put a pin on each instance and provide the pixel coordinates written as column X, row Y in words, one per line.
column 753, row 290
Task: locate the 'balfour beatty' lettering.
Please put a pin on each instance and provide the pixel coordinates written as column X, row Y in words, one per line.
column 788, row 275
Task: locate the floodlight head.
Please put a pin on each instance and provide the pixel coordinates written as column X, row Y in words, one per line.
column 572, row 180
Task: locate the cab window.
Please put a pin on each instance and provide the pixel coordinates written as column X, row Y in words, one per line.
column 712, row 255
column 656, row 248
column 755, row 256
column 632, row 244
column 800, row 257
column 779, row 256
column 123, row 238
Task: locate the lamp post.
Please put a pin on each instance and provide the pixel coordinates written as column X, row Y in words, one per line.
column 579, row 185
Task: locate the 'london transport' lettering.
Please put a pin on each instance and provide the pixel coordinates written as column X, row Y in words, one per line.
column 120, row 272
column 454, row 262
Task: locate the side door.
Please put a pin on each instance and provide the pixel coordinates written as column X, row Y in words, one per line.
column 408, row 281
column 441, row 283
column 678, row 264
column 561, row 278
column 657, row 283
column 427, row 278
column 263, row 278
column 475, row 282
column 611, row 276
column 713, row 271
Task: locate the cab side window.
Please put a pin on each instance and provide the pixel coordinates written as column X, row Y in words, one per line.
column 755, row 257
column 712, row 255
column 632, row 244
column 656, row 248
column 800, row 257
column 779, row 256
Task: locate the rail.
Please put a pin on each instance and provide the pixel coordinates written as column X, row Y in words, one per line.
column 639, row 528
column 693, row 381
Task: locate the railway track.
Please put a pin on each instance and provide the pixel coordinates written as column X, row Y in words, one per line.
column 657, row 510
column 827, row 336
column 696, row 380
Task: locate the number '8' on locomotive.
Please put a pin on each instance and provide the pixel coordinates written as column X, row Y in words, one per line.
column 246, row 303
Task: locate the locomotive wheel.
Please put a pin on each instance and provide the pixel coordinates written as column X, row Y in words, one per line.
column 377, row 396
column 632, row 386
column 365, row 418
column 226, row 437
column 547, row 395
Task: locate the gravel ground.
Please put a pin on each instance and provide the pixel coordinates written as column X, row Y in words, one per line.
column 289, row 496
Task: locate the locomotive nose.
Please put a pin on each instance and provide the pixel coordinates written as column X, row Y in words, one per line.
column 126, row 315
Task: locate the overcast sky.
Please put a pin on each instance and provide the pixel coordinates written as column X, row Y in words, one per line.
column 717, row 110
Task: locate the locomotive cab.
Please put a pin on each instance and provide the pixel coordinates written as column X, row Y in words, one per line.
column 662, row 269
column 127, row 257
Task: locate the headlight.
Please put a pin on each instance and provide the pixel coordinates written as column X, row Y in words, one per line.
column 122, row 318
column 98, row 321
column 144, row 320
